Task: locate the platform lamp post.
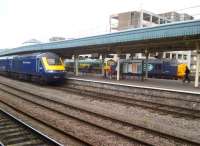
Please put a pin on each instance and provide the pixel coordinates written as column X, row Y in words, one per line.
column 76, row 64
column 197, row 65
column 147, row 57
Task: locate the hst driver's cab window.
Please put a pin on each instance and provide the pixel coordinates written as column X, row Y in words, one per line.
column 54, row 61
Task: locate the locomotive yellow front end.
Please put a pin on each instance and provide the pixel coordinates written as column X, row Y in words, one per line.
column 181, row 70
column 53, row 67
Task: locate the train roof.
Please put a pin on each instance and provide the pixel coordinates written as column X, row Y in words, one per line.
column 37, row 55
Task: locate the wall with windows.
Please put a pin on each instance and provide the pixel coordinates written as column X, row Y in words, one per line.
column 135, row 19
column 180, row 56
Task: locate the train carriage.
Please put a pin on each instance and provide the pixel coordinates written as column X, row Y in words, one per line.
column 157, row 68
column 4, row 65
column 41, row 67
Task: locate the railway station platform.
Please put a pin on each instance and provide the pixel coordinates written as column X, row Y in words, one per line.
column 150, row 83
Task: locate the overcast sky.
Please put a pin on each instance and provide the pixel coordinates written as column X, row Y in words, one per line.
column 21, row 20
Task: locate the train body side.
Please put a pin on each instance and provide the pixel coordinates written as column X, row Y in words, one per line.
column 162, row 69
column 157, row 68
column 4, row 65
column 32, row 67
column 24, row 65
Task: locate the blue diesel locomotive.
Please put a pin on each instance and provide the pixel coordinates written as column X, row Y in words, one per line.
column 36, row 67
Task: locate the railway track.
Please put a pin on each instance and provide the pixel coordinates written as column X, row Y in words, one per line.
column 14, row 132
column 166, row 105
column 164, row 109
column 118, row 130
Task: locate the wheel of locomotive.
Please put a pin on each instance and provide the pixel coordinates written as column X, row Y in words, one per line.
column 33, row 79
column 16, row 76
column 28, row 77
column 42, row 81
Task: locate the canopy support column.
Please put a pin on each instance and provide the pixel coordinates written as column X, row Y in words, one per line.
column 197, row 65
column 102, row 67
column 76, row 64
column 118, row 67
column 147, row 58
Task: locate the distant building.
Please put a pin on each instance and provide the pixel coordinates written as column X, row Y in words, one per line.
column 136, row 19
column 182, row 56
column 55, row 39
column 31, row 42
column 174, row 16
column 140, row 19
column 193, row 60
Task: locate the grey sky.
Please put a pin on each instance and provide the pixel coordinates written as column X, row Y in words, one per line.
column 41, row 19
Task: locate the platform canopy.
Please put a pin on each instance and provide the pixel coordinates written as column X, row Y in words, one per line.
column 166, row 37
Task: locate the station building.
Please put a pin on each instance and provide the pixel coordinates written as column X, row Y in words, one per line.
column 143, row 18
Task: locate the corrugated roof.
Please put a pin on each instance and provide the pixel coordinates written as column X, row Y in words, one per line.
column 172, row 30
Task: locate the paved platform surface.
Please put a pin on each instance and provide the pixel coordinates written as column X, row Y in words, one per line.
column 163, row 84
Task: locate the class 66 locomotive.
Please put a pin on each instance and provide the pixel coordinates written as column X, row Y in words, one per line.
column 42, row 68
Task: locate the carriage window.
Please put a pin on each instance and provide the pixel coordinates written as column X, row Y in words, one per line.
column 54, row 61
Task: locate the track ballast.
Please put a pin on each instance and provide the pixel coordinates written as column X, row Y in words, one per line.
column 14, row 132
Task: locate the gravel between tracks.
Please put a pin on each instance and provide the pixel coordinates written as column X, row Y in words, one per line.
column 50, row 132
column 188, row 129
column 105, row 122
column 79, row 129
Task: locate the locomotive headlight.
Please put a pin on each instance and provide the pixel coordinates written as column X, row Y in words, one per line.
column 50, row 71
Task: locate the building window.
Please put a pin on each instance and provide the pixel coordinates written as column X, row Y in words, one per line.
column 179, row 56
column 167, row 21
column 146, row 17
column 185, row 57
column 122, row 56
column 152, row 55
column 155, row 19
column 162, row 21
column 173, row 56
column 167, row 55
column 194, row 58
column 132, row 18
column 193, row 66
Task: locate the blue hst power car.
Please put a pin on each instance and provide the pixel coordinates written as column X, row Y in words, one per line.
column 39, row 67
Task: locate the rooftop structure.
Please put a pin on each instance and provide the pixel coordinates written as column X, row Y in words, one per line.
column 136, row 19
column 174, row 16
column 31, row 42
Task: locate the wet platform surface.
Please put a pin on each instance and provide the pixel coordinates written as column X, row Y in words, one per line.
column 161, row 84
